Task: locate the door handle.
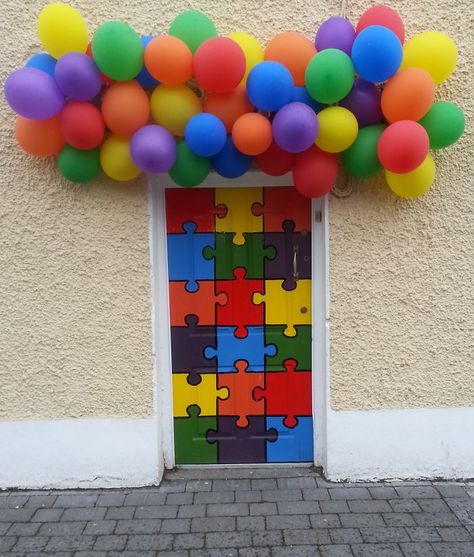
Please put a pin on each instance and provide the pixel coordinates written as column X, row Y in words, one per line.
column 296, row 275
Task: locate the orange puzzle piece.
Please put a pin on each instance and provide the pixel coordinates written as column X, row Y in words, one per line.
column 202, row 303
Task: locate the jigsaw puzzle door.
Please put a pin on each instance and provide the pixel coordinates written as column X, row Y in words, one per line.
column 239, row 266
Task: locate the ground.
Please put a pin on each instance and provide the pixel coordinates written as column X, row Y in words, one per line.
column 269, row 512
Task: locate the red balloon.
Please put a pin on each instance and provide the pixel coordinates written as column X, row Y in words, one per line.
column 219, row 65
column 403, row 146
column 82, row 125
column 315, row 172
column 274, row 161
column 384, row 16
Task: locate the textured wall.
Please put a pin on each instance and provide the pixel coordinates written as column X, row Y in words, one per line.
column 74, row 283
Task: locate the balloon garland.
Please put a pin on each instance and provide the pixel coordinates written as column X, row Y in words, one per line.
column 192, row 101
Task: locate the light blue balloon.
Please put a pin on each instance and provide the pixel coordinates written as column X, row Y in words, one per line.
column 44, row 62
column 269, row 86
column 205, row 134
column 230, row 162
column 144, row 77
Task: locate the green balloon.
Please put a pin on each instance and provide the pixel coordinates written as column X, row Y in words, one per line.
column 361, row 159
column 329, row 76
column 189, row 170
column 444, row 124
column 193, row 28
column 79, row 166
column 117, row 50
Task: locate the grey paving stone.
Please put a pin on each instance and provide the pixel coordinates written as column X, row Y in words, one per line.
column 299, row 507
column 13, row 501
column 110, row 543
column 62, row 528
column 310, row 537
column 189, row 541
column 454, row 534
column 335, row 551
column 404, row 505
column 436, row 519
column 77, row 500
column 191, row 511
column 297, row 483
column 92, row 513
column 100, row 528
column 142, row 499
column 172, row 487
column 398, row 519
column 423, row 534
column 180, row 498
column 347, row 493
column 161, row 511
column 114, row 499
column 463, row 509
column 176, row 526
column 263, row 508
column 332, row 507
column 376, row 550
column 453, row 549
column 369, row 506
column 215, row 497
column 221, row 552
column 250, row 523
column 40, row 501
column 230, row 509
column 361, row 520
column 131, row 554
column 90, row 554
column 254, row 552
column 287, row 521
column 218, row 524
column 149, row 542
column 228, row 539
column 65, row 543
column 433, row 506
column 7, row 542
column 295, row 551
column 142, row 526
column 16, row 515
column 325, row 521
column 177, row 553
column 247, row 496
column 23, row 529
column 282, row 495
column 452, row 490
column 345, row 535
column 264, row 483
column 269, row 538
column 47, row 515
column 383, row 492
column 195, row 486
column 385, row 534
column 30, row 544
column 4, row 527
column 317, row 494
column 231, row 485
column 120, row 513
column 417, row 549
column 418, row 492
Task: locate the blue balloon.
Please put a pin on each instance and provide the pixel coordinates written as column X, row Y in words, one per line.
column 301, row 95
column 205, row 134
column 44, row 62
column 377, row 53
column 230, row 162
column 269, row 86
column 144, row 77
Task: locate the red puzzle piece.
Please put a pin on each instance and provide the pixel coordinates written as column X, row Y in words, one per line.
column 240, row 401
column 287, row 393
column 195, row 205
column 240, row 311
column 280, row 204
column 201, row 303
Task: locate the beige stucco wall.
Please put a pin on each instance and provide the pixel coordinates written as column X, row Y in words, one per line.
column 75, row 329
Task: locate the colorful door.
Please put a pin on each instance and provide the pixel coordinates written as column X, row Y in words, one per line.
column 239, row 263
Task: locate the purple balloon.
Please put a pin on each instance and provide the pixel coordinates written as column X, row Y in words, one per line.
column 335, row 32
column 33, row 94
column 295, row 127
column 364, row 102
column 77, row 76
column 153, row 149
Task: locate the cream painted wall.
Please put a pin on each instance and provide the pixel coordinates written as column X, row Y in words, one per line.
column 75, row 337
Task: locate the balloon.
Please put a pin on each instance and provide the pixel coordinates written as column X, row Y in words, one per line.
column 77, row 76
column 384, row 16
column 364, row 102
column 294, row 51
column 252, row 134
column 251, row 48
column 189, row 170
column 205, row 134
column 337, row 129
column 361, row 159
column 219, row 65
column 144, row 78
column 153, row 149
column 335, row 32
column 193, row 28
column 295, row 127
column 106, row 80
column 82, row 125
column 403, row 146
column 169, row 60
column 125, row 107
column 301, row 95
column 432, row 51
column 118, row 50
column 33, row 94
column 41, row 138
column 78, row 166
column 116, row 160
column 228, row 107
column 274, row 161
column 172, row 106
column 408, row 95
column 230, row 162
column 376, row 53
column 61, row 29
column 269, row 86
column 444, row 124
column 329, row 76
column 414, row 183
column 315, row 172
column 44, row 62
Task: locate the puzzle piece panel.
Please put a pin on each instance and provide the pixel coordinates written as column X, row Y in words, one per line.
column 297, row 348
column 239, row 217
column 204, row 395
column 190, row 443
column 282, row 204
column 186, row 204
column 293, row 444
column 202, row 303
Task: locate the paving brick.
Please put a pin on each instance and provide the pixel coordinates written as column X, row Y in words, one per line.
column 150, row 542
column 348, row 493
column 142, row 499
column 65, row 543
column 345, row 535
column 110, row 543
column 195, row 486
column 287, row 521
column 369, row 506
column 454, row 534
column 16, row 515
column 177, row 553
column 268, row 538
column 79, row 500
column 231, row 485
column 62, row 528
column 40, row 501
column 297, row 483
column 221, row 552
column 383, row 492
column 436, row 519
column 214, row 497
column 332, row 507
column 264, row 483
column 92, row 513
column 191, row 511
column 423, row 534
column 251, row 523
column 13, row 501
column 398, row 519
column 418, row 492
column 176, row 526
column 228, row 539
column 30, row 544
column 302, row 537
column 230, row 509
column 142, row 526
column 4, row 527
column 417, row 549
column 180, row 498
column 7, row 542
column 317, row 494
column 131, row 554
column 295, row 551
column 218, row 524
column 378, row 550
column 161, row 511
column 189, row 541
column 47, row 515
column 90, row 554
column 385, row 534
column 282, row 495
column 335, row 551
column 433, row 506
column 23, row 529
column 120, row 513
column 361, row 520
column 114, row 499
column 404, row 506
column 263, row 508
column 100, row 528
column 172, row 487
column 325, row 521
column 248, row 496
column 463, row 509
column 454, row 549
column 299, row 507
column 254, row 552
column 452, row 490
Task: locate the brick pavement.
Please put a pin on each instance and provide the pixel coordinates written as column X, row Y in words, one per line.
column 259, row 512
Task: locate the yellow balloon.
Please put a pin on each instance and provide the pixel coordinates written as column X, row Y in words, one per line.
column 253, row 52
column 61, row 29
column 116, row 160
column 173, row 105
column 338, row 129
column 414, row 183
column 433, row 51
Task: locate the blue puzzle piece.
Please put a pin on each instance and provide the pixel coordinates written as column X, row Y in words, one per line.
column 185, row 256
column 292, row 444
column 229, row 349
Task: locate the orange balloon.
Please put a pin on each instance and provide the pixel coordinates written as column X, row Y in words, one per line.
column 41, row 138
column 125, row 108
column 229, row 107
column 408, row 95
column 252, row 134
column 294, row 51
column 169, row 60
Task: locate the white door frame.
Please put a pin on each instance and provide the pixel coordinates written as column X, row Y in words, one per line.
column 163, row 403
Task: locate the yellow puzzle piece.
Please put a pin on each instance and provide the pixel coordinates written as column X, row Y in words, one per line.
column 204, row 395
column 286, row 307
column 239, row 217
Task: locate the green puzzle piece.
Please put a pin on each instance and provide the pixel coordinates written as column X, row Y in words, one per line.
column 295, row 348
column 228, row 256
column 190, row 444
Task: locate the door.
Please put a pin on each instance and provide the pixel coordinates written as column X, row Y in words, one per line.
column 239, row 267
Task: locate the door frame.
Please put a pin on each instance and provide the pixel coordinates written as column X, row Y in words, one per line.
column 161, row 337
